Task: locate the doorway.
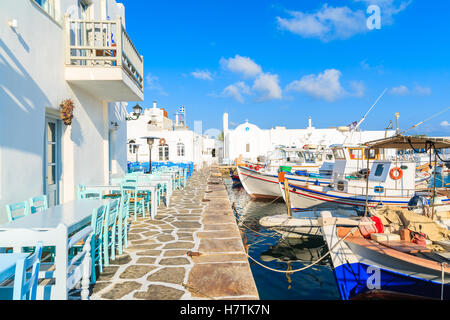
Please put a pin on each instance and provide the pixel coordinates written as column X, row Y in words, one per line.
column 52, row 161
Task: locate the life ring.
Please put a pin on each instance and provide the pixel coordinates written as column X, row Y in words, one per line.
column 396, row 173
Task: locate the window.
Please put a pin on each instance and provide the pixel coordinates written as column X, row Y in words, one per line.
column 379, row 170
column 372, row 154
column 180, row 149
column 309, row 157
column 48, row 6
column 84, row 7
column 247, row 147
column 339, row 154
column 355, row 154
column 164, row 152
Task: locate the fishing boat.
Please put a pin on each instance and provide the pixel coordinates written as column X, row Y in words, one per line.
column 261, row 180
column 383, row 265
column 391, row 181
column 303, row 225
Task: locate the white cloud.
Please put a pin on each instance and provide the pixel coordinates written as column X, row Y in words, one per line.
column 400, row 90
column 330, row 23
column 325, row 85
column 423, row 91
column 267, row 84
column 243, row 65
column 404, row 90
column 152, row 83
column 202, row 75
column 445, row 123
column 236, row 91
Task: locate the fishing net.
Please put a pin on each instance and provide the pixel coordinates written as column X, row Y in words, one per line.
column 395, row 219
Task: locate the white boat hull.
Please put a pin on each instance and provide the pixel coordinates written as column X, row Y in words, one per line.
column 259, row 185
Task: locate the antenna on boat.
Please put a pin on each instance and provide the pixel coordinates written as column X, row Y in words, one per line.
column 367, row 113
column 422, row 122
column 365, row 116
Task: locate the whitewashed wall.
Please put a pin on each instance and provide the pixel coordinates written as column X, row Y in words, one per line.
column 263, row 141
column 31, row 82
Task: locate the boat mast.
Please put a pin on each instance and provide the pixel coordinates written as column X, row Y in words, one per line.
column 367, row 113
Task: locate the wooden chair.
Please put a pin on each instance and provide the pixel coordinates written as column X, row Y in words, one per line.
column 17, row 210
column 109, row 232
column 91, row 194
column 122, row 226
column 137, row 204
column 98, row 217
column 25, row 287
column 38, row 204
column 25, row 280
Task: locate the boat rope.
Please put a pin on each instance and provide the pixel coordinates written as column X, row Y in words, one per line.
column 308, row 266
column 443, row 265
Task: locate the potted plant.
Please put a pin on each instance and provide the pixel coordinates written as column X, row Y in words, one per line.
column 66, row 110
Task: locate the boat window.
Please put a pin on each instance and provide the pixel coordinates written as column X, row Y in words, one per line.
column 300, row 155
column 355, row 154
column 371, row 154
column 379, row 170
column 329, row 157
column 309, row 157
column 319, row 157
column 339, row 154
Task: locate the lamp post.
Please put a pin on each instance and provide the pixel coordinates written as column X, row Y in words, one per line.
column 137, row 111
column 150, row 141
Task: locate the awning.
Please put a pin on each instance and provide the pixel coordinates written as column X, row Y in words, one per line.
column 408, row 142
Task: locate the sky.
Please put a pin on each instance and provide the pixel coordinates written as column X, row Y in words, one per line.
column 276, row 63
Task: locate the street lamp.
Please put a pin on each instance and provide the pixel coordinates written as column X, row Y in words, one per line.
column 137, row 111
column 150, row 141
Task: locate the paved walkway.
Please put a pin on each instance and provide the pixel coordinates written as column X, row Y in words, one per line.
column 192, row 250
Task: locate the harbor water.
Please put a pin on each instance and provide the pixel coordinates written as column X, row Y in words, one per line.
column 271, row 250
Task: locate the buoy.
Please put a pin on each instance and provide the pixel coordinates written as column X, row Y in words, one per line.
column 396, row 173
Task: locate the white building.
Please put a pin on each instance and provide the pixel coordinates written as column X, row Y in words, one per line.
column 49, row 53
column 249, row 141
column 175, row 141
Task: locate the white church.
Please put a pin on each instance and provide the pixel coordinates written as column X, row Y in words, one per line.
column 249, row 141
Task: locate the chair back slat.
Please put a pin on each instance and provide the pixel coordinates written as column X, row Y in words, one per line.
column 17, row 210
column 98, row 216
column 26, row 287
column 111, row 215
column 38, row 204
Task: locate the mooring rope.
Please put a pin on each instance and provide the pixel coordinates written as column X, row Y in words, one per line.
column 312, row 264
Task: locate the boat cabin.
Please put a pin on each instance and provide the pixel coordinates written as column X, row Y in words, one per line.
column 350, row 160
column 386, row 178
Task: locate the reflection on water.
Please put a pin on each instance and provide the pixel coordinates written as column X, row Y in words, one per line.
column 272, row 250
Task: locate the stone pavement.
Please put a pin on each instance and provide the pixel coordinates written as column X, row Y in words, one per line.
column 192, row 250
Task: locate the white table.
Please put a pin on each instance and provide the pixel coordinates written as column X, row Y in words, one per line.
column 52, row 227
column 8, row 264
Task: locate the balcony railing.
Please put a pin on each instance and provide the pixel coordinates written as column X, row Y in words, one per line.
column 97, row 43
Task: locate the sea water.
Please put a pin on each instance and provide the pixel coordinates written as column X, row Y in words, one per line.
column 271, row 250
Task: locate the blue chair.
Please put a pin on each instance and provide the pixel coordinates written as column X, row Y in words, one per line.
column 122, row 226
column 38, row 204
column 109, row 232
column 137, row 204
column 25, row 285
column 98, row 217
column 17, row 210
column 91, row 194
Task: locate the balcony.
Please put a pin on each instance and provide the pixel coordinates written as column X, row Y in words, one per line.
column 102, row 60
